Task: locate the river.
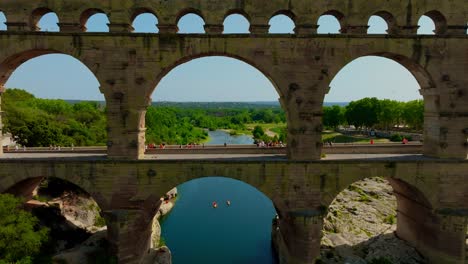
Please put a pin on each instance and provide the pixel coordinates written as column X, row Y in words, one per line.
column 219, row 137
column 196, row 232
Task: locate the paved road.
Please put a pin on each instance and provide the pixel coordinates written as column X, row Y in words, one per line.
column 259, row 157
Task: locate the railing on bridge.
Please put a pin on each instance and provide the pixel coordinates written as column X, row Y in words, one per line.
column 383, row 148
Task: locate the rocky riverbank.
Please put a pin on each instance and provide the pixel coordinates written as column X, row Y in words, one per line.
column 77, row 229
column 360, row 225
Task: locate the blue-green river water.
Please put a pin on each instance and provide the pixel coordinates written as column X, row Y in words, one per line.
column 196, row 232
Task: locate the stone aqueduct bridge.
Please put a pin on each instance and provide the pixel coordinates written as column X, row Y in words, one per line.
column 432, row 192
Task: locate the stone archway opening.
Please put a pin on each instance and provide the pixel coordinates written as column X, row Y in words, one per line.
column 57, row 107
column 330, row 22
column 377, row 25
column 94, row 20
column 3, row 21
column 191, row 22
column 282, row 23
column 229, row 218
column 370, row 220
column 73, row 218
column 381, row 23
column 426, row 26
column 202, row 106
column 45, row 20
column 380, row 102
column 145, row 21
column 236, row 23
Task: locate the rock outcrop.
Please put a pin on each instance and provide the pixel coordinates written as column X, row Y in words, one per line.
column 360, row 225
column 84, row 213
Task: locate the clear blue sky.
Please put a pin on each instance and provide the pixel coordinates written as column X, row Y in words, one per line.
column 216, row 78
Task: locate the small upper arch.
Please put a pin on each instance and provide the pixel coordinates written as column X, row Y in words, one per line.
column 141, row 10
column 237, row 12
column 141, row 17
column 236, row 21
column 3, row 21
column 190, row 20
column 187, row 11
column 36, row 16
column 86, row 14
column 388, row 18
column 283, row 21
column 287, row 13
column 331, row 22
column 440, row 22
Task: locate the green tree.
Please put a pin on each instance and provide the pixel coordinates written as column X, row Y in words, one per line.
column 20, row 237
column 390, row 113
column 363, row 113
column 413, row 114
column 258, row 132
column 333, row 116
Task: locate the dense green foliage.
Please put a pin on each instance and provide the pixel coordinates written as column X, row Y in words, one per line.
column 36, row 122
column 42, row 122
column 176, row 125
column 375, row 113
column 21, row 238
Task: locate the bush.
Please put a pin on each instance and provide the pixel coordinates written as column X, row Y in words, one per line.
column 399, row 138
column 20, row 236
column 391, row 219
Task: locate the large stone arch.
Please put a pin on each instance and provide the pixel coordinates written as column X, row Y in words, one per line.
column 419, row 219
column 24, row 185
column 170, row 65
column 428, row 89
column 19, row 54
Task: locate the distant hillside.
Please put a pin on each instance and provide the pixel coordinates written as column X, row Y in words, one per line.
column 265, row 104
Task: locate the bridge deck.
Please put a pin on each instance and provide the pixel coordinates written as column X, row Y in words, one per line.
column 223, row 157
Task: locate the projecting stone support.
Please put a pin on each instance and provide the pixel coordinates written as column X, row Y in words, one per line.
column 70, row 27
column 214, row 29
column 296, row 239
column 129, row 234
column 446, row 135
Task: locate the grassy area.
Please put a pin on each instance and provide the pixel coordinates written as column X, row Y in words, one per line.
column 336, row 137
column 273, row 129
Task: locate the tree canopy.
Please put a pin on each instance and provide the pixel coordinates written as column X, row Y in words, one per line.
column 20, row 236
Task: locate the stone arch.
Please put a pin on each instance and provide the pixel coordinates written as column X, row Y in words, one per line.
column 86, row 14
column 439, row 20
column 231, row 175
column 189, row 11
column 24, row 186
column 286, row 13
column 14, row 60
column 141, row 11
column 240, row 13
column 237, row 12
column 389, row 19
column 421, row 75
column 339, row 16
column 416, row 221
column 187, row 58
column 36, row 15
column 3, row 25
